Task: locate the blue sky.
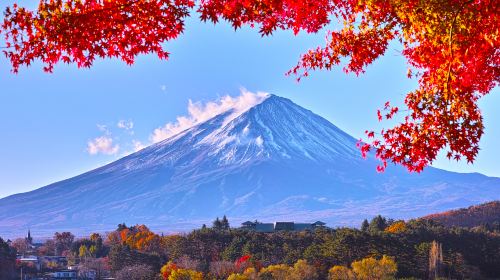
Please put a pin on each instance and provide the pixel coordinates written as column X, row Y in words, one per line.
column 47, row 120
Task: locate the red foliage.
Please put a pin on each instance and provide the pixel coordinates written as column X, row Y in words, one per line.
column 487, row 213
column 242, row 262
column 167, row 269
column 79, row 31
column 453, row 45
column 452, row 48
column 243, row 259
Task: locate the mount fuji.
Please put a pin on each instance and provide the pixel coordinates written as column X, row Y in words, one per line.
column 273, row 161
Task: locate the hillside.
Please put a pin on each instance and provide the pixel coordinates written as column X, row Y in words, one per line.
column 486, row 213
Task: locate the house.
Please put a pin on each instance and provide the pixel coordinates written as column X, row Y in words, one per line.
column 302, row 226
column 32, row 261
column 286, row 226
column 281, row 226
column 258, row 226
column 318, row 224
column 248, row 224
column 264, row 227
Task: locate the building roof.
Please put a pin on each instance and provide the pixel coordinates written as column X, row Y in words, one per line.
column 284, row 226
column 302, row 226
column 261, row 227
column 277, row 226
column 28, row 259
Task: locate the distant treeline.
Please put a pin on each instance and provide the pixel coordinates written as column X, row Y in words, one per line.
column 418, row 249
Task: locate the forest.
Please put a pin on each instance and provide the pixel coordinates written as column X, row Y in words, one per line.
column 380, row 249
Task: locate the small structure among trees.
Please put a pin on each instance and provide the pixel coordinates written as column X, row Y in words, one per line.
column 281, row 226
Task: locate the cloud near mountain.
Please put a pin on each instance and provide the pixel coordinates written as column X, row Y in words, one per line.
column 199, row 112
column 259, row 157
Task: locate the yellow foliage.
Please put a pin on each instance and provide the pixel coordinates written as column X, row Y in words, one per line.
column 366, row 269
column 237, row 276
column 303, row 271
column 371, row 268
column 396, row 227
column 278, row 271
column 251, row 273
column 83, row 251
column 340, row 272
column 167, row 269
column 185, row 274
column 95, row 236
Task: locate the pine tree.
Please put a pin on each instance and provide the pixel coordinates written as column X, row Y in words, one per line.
column 365, row 225
column 225, row 223
column 217, row 224
column 377, row 224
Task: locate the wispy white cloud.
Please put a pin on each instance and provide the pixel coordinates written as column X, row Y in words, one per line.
column 102, row 145
column 126, row 125
column 163, row 88
column 103, row 128
column 199, row 112
column 259, row 141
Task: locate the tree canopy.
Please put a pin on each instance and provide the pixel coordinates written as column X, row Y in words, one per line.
column 451, row 46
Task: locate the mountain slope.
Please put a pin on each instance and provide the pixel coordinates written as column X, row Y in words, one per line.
column 487, row 213
column 274, row 161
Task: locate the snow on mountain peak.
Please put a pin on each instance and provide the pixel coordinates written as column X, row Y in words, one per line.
column 256, row 156
column 199, row 112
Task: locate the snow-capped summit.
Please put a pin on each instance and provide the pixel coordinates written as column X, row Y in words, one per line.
column 263, row 157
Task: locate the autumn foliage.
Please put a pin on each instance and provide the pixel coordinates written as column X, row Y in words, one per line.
column 473, row 216
column 451, row 46
column 75, row 31
column 397, row 227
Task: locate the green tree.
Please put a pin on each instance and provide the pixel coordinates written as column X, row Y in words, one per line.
column 365, row 225
column 225, row 223
column 7, row 261
column 217, row 224
column 377, row 224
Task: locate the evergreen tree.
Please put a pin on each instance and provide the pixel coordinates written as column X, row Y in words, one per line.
column 121, row 227
column 217, row 224
column 377, row 224
column 365, row 225
column 225, row 223
column 7, row 261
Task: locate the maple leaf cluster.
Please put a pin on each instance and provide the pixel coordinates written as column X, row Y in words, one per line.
column 453, row 45
column 452, row 48
column 78, row 31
